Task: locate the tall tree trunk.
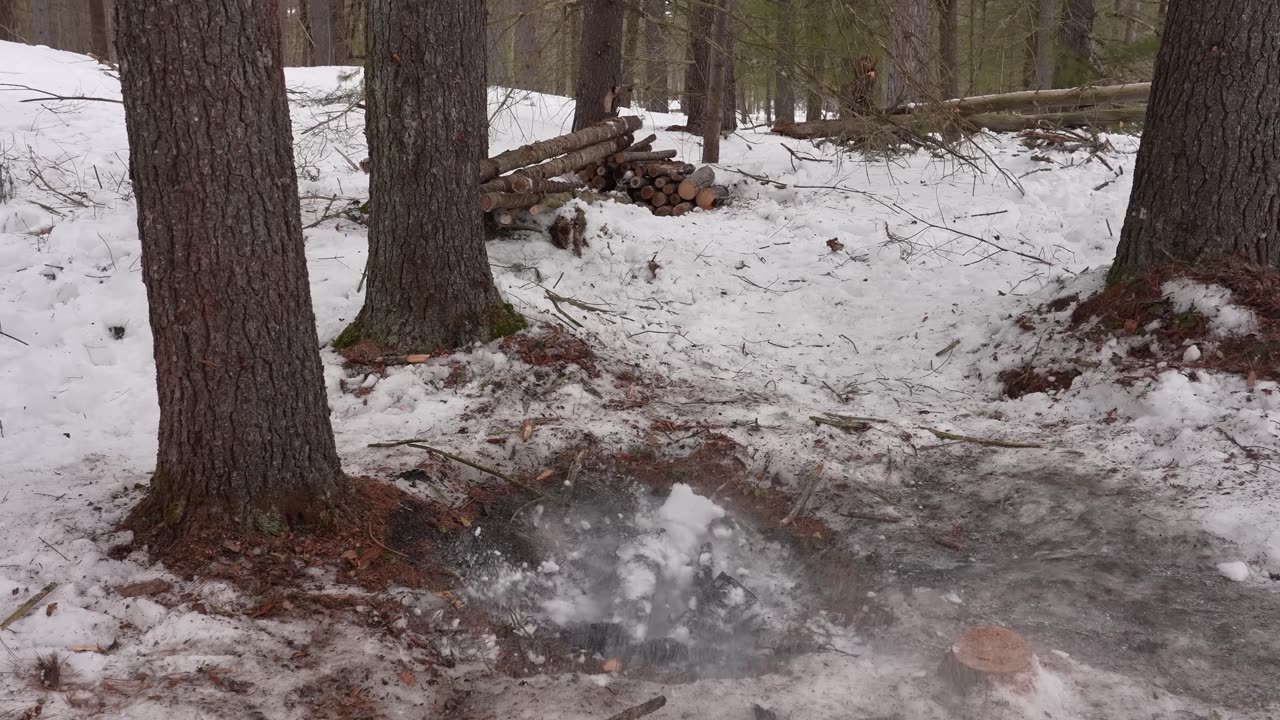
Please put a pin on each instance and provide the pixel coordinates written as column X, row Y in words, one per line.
column 320, row 13
column 599, row 60
column 244, row 422
column 729, row 93
column 815, row 98
column 526, row 49
column 949, row 47
column 99, row 44
column 1205, row 185
column 696, row 74
column 307, row 32
column 429, row 286
column 715, row 82
column 41, row 22
column 785, row 67
column 1131, row 10
column 909, row 75
column 340, row 52
column 631, row 36
column 657, row 98
column 8, row 21
column 1039, row 68
column 1077, row 64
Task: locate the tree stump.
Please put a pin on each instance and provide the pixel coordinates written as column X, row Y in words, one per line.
column 988, row 655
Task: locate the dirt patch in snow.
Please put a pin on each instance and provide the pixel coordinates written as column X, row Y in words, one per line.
column 551, row 347
column 1143, row 307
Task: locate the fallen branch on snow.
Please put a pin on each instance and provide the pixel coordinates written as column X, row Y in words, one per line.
column 943, row 435
column 27, row 606
column 642, row 709
column 417, row 444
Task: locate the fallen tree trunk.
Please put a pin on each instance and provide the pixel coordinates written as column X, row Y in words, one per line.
column 628, row 157
column 701, row 178
column 537, row 152
column 518, row 201
column 906, row 126
column 1127, row 94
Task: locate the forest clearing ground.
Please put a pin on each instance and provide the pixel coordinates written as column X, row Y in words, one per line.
column 720, row 336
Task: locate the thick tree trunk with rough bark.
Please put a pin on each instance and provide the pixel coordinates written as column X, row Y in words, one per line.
column 244, row 422
column 526, row 50
column 320, row 26
column 729, row 69
column 99, row 45
column 949, row 47
column 1077, row 64
column 599, row 60
column 632, row 33
column 784, row 70
column 715, row 83
column 696, row 75
column 429, row 285
column 909, row 76
column 656, row 96
column 1206, row 186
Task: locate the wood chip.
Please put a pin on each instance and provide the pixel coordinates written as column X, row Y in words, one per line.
column 526, row 430
column 50, row 609
column 144, row 588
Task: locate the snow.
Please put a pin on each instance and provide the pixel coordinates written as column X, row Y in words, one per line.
column 753, row 323
column 1212, row 301
column 1234, row 571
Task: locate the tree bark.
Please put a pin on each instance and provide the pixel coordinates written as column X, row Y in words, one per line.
column 696, row 75
column 656, row 95
column 631, row 35
column 429, row 285
column 599, row 60
column 1038, row 74
column 41, row 27
column 785, row 67
column 8, row 21
column 1205, row 186
column 1077, row 63
column 100, row 46
column 320, row 30
column 339, row 38
column 1132, row 10
column 949, row 47
column 909, row 76
column 715, row 83
column 729, row 67
column 526, row 50
column 244, row 423
column 815, row 98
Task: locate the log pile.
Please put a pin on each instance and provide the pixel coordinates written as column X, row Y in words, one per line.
column 602, row 161
column 1112, row 107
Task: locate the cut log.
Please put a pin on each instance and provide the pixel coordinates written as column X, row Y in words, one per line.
column 537, row 152
column 569, row 163
column 647, row 192
column 637, row 182
column 535, row 186
column 508, row 201
column 988, row 655
column 630, row 157
column 701, row 178
column 681, row 209
column 664, row 211
column 659, row 199
column 711, row 197
column 568, row 232
column 642, row 145
column 661, row 181
column 1127, row 94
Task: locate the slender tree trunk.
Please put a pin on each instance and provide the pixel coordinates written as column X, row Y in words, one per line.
column 909, row 76
column 526, row 50
column 1205, row 186
column 1077, row 64
column 631, row 36
column 429, row 286
column 729, row 69
column 41, row 25
column 715, row 83
column 656, row 95
column 1039, row 68
column 308, row 34
column 244, row 423
column 696, row 74
column 339, row 36
column 785, row 67
column 599, row 60
column 949, row 47
column 100, row 46
column 320, row 13
column 815, row 98
column 1131, row 9
column 8, row 21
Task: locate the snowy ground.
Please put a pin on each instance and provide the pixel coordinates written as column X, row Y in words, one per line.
column 1102, row 547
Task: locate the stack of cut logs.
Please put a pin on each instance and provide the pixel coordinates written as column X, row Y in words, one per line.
column 603, row 160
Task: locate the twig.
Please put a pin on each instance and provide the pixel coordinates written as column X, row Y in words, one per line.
column 843, row 422
column 28, row 605
column 46, row 544
column 55, row 96
column 417, row 445
column 943, row 435
column 384, row 547
column 954, row 344
column 642, row 709
column 804, row 497
column 24, row 342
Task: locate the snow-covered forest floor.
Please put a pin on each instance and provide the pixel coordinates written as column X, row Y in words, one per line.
column 667, row 402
